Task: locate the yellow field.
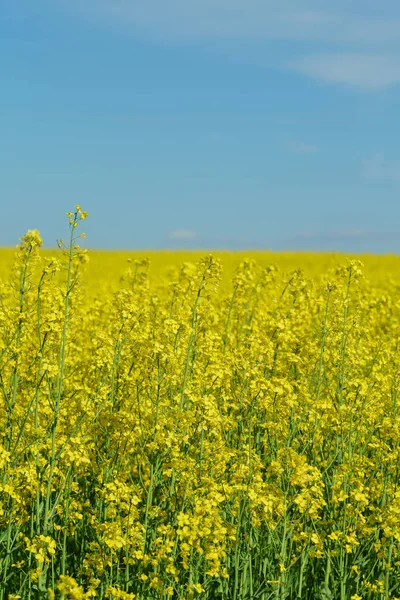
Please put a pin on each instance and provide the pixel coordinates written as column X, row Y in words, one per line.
column 106, row 268
column 220, row 427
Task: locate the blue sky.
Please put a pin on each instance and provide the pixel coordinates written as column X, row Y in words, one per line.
column 202, row 124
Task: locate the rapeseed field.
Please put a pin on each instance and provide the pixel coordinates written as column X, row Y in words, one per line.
column 212, row 427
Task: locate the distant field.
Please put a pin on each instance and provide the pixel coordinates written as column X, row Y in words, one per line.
column 198, row 426
column 107, row 266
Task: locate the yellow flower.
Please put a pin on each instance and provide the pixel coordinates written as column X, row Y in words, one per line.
column 179, row 417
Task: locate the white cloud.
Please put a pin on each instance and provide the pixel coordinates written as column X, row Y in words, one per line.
column 351, row 42
column 182, row 235
column 379, row 167
column 297, row 147
column 362, row 70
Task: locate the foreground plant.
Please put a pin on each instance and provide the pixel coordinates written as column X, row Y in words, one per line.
column 169, row 439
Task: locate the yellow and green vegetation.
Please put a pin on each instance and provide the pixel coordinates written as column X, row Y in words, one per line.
column 214, row 427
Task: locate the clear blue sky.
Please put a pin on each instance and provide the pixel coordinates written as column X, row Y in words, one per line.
column 207, row 123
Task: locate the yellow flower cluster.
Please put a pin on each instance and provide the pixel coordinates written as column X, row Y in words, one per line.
column 214, row 427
